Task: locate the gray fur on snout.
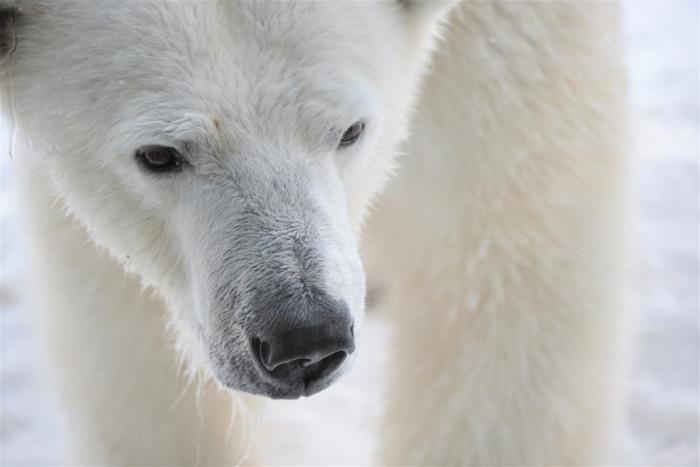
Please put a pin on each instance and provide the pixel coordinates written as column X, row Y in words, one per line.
column 270, row 269
column 279, row 289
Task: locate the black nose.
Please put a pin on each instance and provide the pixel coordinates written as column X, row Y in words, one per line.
column 301, row 336
column 305, row 354
column 307, row 346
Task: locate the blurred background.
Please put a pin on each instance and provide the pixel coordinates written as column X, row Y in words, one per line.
column 662, row 384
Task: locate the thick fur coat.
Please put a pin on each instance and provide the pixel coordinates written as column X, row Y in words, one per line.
column 499, row 240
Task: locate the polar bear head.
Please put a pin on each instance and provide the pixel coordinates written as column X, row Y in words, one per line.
column 225, row 152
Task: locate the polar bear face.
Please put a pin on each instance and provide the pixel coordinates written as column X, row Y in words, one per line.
column 226, row 153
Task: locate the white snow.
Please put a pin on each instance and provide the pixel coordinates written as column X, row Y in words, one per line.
column 337, row 426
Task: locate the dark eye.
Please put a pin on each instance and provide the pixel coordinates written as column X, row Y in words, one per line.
column 159, row 159
column 351, row 135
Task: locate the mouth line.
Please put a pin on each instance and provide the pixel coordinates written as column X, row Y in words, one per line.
column 305, row 389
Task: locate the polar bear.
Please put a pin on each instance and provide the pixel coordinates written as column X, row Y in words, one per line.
column 196, row 177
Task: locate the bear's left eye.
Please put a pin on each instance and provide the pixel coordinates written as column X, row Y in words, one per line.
column 159, row 159
column 352, row 134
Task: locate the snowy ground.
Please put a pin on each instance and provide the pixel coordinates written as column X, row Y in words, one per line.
column 663, row 383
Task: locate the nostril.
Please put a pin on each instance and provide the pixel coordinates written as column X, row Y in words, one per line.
column 314, row 371
column 326, row 366
column 262, row 351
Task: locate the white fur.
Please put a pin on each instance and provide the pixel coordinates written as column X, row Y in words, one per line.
column 499, row 242
column 502, row 242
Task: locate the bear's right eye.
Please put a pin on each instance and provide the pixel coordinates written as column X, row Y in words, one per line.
column 160, row 159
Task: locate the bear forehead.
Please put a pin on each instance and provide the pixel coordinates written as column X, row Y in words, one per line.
column 176, row 35
column 267, row 61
